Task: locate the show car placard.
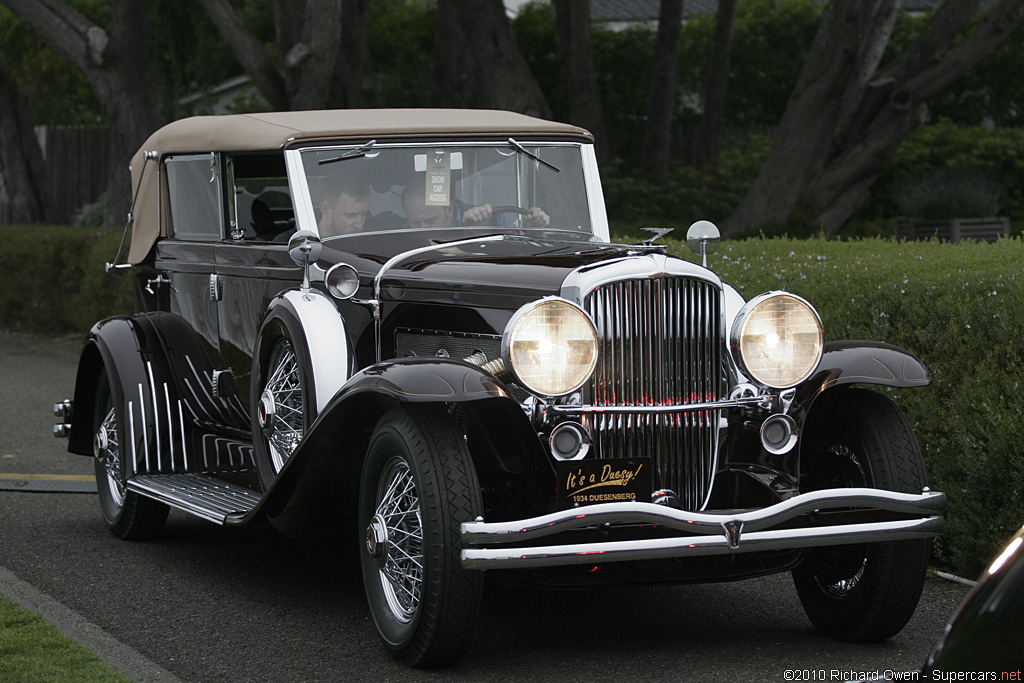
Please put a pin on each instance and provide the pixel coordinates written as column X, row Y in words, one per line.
column 586, row 482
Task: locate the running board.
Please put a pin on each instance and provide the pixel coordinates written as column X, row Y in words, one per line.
column 202, row 495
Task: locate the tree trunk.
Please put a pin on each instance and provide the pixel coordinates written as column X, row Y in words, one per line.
column 309, row 36
column 478, row 64
column 21, row 159
column 710, row 135
column 116, row 66
column 573, row 18
column 662, row 99
column 846, row 116
column 347, row 82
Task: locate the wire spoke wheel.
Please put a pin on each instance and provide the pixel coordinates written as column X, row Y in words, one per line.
column 128, row 515
column 281, row 407
column 108, row 451
column 418, row 485
column 398, row 514
column 866, row 591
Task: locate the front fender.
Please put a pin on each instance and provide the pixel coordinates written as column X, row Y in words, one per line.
column 861, row 362
column 319, row 486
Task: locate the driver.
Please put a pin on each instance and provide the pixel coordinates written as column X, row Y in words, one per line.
column 418, row 214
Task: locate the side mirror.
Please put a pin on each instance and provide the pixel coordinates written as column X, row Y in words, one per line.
column 305, row 248
column 703, row 238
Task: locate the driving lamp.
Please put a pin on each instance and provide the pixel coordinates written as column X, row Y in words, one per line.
column 550, row 347
column 779, row 338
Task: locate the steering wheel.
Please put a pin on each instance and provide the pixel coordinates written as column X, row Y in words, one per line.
column 510, row 209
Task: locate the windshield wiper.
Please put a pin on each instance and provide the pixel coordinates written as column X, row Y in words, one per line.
column 351, row 154
column 522, row 150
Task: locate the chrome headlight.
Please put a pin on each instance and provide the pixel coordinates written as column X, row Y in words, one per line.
column 550, row 347
column 777, row 339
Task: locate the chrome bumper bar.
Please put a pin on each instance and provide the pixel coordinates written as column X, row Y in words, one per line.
column 700, row 533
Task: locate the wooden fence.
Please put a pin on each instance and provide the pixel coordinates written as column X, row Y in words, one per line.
column 76, row 169
column 76, row 166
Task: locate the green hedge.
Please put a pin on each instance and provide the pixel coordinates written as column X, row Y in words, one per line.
column 960, row 308
column 52, row 278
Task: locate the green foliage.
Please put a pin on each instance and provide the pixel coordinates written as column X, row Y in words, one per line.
column 400, row 62
column 710, row 193
column 32, row 650
column 998, row 153
column 960, row 309
column 56, row 92
column 52, row 278
column 770, row 39
column 536, row 34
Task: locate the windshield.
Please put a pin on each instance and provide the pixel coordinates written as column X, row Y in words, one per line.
column 378, row 187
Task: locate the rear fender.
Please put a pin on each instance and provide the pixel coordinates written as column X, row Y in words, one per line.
column 161, row 382
column 319, row 486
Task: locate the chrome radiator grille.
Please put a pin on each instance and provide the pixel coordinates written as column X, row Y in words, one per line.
column 660, row 345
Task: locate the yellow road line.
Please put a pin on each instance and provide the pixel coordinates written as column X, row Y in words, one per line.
column 50, row 477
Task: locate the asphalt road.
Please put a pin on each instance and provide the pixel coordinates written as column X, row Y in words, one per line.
column 246, row 604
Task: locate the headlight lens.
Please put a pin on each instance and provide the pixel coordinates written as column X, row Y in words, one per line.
column 780, row 339
column 550, row 347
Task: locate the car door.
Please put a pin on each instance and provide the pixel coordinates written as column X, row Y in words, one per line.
column 252, row 264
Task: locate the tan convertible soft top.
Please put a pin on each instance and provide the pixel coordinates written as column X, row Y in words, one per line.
column 277, row 130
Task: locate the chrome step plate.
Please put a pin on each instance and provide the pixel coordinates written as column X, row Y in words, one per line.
column 202, row 495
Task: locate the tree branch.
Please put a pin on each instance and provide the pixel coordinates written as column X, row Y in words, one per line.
column 1001, row 20
column 66, row 29
column 248, row 50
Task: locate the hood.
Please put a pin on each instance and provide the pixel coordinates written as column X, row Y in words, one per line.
column 519, row 265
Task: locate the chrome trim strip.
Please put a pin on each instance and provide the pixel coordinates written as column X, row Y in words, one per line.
column 722, row 544
column 683, row 408
column 697, row 523
column 585, row 279
column 595, row 195
column 184, row 444
column 305, row 216
column 131, row 429
column 156, row 416
column 145, row 432
column 170, row 423
column 398, row 258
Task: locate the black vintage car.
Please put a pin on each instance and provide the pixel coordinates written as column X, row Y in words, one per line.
column 409, row 330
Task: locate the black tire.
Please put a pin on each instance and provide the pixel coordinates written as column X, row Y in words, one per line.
column 281, row 403
column 422, row 601
column 865, row 592
column 127, row 514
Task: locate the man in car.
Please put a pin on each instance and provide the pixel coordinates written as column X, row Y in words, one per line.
column 344, row 208
column 419, row 214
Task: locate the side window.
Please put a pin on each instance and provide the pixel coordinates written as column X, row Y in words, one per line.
column 194, row 195
column 263, row 201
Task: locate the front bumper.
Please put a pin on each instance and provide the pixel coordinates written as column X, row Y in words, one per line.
column 694, row 534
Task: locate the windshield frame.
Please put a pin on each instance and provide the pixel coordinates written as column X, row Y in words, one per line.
column 305, row 213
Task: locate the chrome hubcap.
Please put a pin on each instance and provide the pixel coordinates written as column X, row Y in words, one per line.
column 394, row 540
column 377, row 540
column 267, row 413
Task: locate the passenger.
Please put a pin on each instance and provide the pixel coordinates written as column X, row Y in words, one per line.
column 344, row 209
column 419, row 214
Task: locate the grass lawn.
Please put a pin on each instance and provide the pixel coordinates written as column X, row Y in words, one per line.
column 32, row 650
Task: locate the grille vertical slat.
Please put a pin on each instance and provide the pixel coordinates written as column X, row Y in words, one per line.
column 660, row 345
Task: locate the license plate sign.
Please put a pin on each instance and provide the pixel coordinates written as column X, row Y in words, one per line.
column 615, row 480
